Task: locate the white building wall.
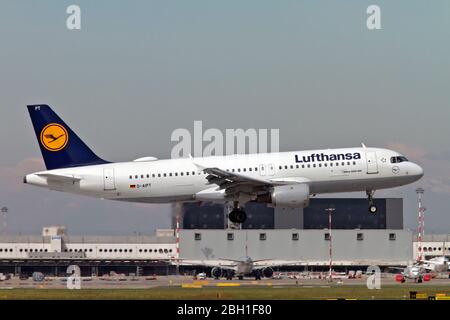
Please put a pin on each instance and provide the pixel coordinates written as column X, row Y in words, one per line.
column 120, row 251
column 387, row 247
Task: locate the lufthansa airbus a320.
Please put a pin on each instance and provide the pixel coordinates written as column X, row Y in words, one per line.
column 282, row 179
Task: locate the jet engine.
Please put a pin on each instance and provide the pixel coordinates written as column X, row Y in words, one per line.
column 288, row 196
column 267, row 272
column 216, row 272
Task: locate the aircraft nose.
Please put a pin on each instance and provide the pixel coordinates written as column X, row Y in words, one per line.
column 414, row 171
column 417, row 171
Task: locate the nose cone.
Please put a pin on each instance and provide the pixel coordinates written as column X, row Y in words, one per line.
column 417, row 171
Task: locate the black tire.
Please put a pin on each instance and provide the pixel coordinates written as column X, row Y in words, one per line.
column 241, row 216
column 232, row 216
column 373, row 209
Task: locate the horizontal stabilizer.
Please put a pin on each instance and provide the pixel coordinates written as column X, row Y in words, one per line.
column 59, row 177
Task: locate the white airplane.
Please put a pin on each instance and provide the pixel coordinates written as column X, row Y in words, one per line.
column 240, row 268
column 282, row 179
column 413, row 272
column 437, row 264
column 423, row 270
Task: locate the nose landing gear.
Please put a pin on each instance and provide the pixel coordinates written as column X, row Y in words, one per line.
column 372, row 207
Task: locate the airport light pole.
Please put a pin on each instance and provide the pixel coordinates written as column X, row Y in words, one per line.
column 330, row 210
column 420, row 223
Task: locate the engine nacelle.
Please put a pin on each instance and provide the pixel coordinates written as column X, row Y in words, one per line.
column 211, row 194
column 267, row 272
column 216, row 272
column 290, row 196
column 399, row 278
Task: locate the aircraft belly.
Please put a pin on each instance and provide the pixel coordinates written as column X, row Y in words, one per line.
column 354, row 185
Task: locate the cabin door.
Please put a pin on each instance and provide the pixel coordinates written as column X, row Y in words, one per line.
column 108, row 179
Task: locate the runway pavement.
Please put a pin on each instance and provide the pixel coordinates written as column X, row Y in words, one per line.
column 189, row 282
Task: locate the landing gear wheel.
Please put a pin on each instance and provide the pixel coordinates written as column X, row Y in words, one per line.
column 237, row 216
column 232, row 216
column 241, row 216
column 372, row 208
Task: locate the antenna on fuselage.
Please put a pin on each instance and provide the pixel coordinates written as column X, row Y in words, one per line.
column 363, row 145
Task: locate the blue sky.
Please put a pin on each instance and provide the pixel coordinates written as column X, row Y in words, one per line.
column 137, row 70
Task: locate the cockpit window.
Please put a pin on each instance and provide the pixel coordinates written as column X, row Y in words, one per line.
column 398, row 159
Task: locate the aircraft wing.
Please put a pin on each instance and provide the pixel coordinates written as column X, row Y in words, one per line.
column 229, row 265
column 225, row 179
column 260, row 264
column 397, row 268
column 234, row 182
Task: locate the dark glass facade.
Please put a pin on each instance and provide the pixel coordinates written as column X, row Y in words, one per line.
column 259, row 216
column 348, row 214
column 205, row 216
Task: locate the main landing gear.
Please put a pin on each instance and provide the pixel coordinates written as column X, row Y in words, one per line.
column 372, row 207
column 237, row 214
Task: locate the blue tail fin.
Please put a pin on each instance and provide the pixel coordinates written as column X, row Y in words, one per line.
column 60, row 146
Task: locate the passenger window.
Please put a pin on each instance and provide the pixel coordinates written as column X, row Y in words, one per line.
column 292, row 167
column 159, row 175
column 281, row 167
column 303, row 166
column 148, row 176
column 309, row 166
column 136, row 176
column 314, row 165
column 142, row 176
column 187, row 173
column 131, row 177
column 320, row 165
column 165, row 175
column 285, row 167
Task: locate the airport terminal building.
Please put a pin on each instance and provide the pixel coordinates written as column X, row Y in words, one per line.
column 358, row 239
